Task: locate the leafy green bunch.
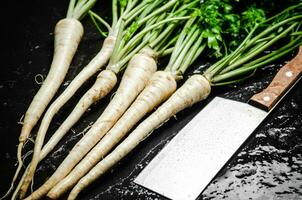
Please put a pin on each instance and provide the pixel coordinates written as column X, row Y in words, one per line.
column 243, row 24
column 280, row 33
column 221, row 24
column 212, row 15
column 224, row 24
column 252, row 16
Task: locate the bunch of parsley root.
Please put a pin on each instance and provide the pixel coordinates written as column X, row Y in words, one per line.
column 237, row 36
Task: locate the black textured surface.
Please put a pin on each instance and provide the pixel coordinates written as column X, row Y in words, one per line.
column 269, row 166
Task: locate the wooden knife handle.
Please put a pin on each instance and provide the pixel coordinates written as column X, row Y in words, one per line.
column 283, row 81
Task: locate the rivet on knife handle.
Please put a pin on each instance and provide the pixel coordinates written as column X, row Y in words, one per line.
column 283, row 80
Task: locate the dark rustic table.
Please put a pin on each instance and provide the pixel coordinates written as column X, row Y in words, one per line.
column 269, row 166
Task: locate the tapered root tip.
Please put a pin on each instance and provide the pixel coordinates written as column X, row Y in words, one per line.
column 25, row 132
column 52, row 195
column 7, row 193
column 56, row 191
column 20, row 164
column 22, row 194
column 74, row 193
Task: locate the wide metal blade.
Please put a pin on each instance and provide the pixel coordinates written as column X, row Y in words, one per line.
column 190, row 161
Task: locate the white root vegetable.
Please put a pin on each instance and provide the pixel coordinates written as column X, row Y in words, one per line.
column 97, row 62
column 67, row 36
column 68, row 33
column 136, row 76
column 105, row 82
column 161, row 85
column 195, row 89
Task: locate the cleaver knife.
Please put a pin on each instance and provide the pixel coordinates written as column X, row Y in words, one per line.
column 188, row 163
